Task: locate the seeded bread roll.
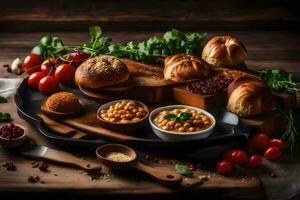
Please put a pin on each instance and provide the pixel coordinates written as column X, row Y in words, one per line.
column 101, row 71
column 224, row 51
column 181, row 67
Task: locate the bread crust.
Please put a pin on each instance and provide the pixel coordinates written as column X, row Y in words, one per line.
column 181, row 67
column 101, row 71
column 224, row 51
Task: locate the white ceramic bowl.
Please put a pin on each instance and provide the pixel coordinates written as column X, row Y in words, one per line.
column 178, row 136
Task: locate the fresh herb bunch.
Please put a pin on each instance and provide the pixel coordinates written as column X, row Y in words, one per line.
column 278, row 80
column 171, row 42
column 181, row 117
column 3, row 100
column 5, row 117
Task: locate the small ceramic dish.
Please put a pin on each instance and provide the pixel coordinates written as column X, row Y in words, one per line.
column 55, row 114
column 170, row 135
column 16, row 142
column 129, row 127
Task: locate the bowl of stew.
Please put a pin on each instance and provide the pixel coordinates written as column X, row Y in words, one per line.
column 181, row 122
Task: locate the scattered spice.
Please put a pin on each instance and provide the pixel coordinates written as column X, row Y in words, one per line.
column 55, row 174
column 10, row 166
column 41, row 165
column 118, row 157
column 34, row 179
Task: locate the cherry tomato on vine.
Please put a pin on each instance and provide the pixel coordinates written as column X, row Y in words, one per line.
column 48, row 85
column 79, row 56
column 224, row 167
column 272, row 153
column 259, row 141
column 65, row 73
column 32, row 63
column 240, row 157
column 228, row 155
column 277, row 143
column 254, row 161
column 34, row 79
column 49, row 66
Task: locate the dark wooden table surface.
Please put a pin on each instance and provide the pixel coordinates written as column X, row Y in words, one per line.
column 269, row 29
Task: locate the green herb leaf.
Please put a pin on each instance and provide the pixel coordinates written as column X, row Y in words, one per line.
column 3, row 100
column 183, row 170
column 184, row 116
column 170, row 117
column 5, row 117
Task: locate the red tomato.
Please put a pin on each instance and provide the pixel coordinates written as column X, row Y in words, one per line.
column 228, row 155
column 48, row 85
column 272, row 153
column 255, row 161
column 277, row 143
column 34, row 79
column 79, row 56
column 49, row 65
column 224, row 167
column 259, row 141
column 240, row 157
column 32, row 63
column 64, row 73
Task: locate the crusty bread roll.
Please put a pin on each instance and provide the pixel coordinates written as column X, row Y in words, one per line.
column 181, row 67
column 101, row 71
column 239, row 81
column 224, row 51
column 251, row 98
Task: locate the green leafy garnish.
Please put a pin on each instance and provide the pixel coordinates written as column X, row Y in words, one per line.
column 3, row 100
column 184, row 116
column 278, row 80
column 170, row 117
column 5, row 117
column 183, row 170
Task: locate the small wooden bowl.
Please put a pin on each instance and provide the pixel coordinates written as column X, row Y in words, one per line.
column 16, row 142
column 60, row 115
column 130, row 127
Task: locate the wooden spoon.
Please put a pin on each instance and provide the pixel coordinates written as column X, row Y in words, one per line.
column 164, row 176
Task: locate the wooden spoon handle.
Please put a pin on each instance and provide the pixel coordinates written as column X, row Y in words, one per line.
column 164, row 176
column 68, row 159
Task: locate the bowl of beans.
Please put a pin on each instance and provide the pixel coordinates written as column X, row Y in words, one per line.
column 181, row 122
column 124, row 115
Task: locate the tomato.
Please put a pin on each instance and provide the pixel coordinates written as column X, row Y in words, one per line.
column 32, row 63
column 240, row 157
column 49, row 65
column 65, row 73
column 34, row 79
column 48, row 85
column 277, row 143
column 79, row 56
column 224, row 167
column 254, row 161
column 76, row 58
column 228, row 155
column 272, row 153
column 259, row 141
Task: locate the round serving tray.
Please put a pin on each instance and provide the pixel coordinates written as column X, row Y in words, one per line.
column 226, row 134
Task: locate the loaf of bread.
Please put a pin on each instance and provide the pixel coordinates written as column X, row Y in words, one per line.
column 224, row 51
column 181, row 67
column 101, row 71
column 251, row 98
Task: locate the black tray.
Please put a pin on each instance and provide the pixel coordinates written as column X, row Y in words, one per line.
column 226, row 134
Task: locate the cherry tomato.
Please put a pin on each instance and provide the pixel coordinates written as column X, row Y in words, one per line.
column 255, row 161
column 277, row 143
column 34, row 79
column 259, row 141
column 49, row 65
column 240, row 157
column 224, row 167
column 65, row 73
column 48, row 85
column 228, row 155
column 32, row 63
column 272, row 153
column 79, row 56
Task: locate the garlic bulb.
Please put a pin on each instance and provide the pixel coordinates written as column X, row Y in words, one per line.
column 16, row 66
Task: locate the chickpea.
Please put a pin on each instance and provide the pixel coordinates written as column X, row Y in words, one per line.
column 124, row 121
column 177, row 125
column 140, row 114
column 112, row 120
column 134, row 110
column 164, row 122
column 186, row 125
column 121, row 112
column 196, row 122
column 160, row 120
column 136, row 119
column 191, row 129
column 198, row 117
column 171, row 123
column 110, row 115
column 117, row 116
column 130, row 103
column 181, row 129
column 176, row 111
column 140, row 109
column 165, row 127
column 206, row 122
column 128, row 115
column 102, row 111
column 164, row 112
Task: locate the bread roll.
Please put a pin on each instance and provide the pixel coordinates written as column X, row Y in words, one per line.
column 181, row 67
column 239, row 81
column 250, row 99
column 101, row 71
column 224, row 51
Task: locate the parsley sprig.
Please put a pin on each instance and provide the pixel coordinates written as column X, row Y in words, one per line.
column 181, row 117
